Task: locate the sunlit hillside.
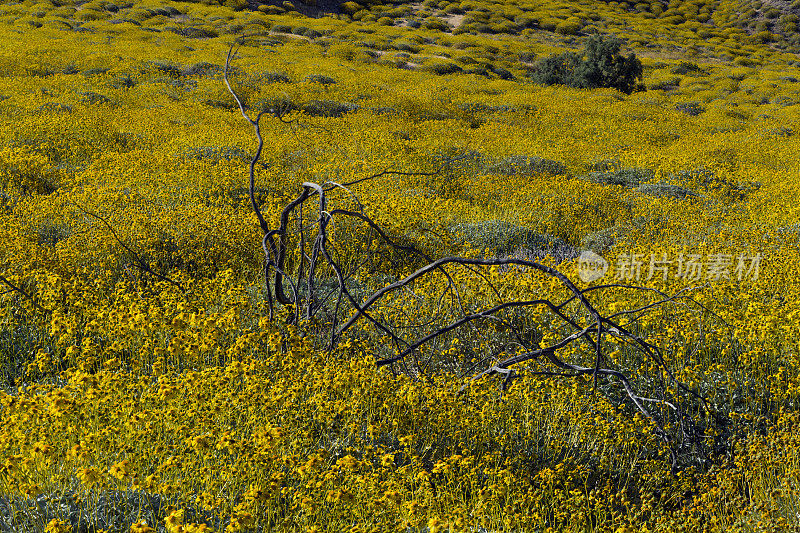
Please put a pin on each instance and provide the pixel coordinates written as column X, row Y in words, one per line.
column 481, row 300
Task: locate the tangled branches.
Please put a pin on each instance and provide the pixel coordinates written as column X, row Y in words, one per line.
column 347, row 279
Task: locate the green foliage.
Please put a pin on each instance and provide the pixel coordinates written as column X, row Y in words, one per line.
column 557, row 70
column 688, row 68
column 328, row 108
column 499, row 238
column 601, row 241
column 525, row 165
column 93, row 98
column 601, row 65
column 442, row 68
column 627, row 177
column 320, row 78
column 666, row 190
column 604, row 66
column 692, row 109
column 18, row 346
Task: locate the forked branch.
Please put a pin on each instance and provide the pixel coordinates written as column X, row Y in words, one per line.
column 350, row 278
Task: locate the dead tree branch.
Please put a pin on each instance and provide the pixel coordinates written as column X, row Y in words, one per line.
column 345, row 273
column 21, row 291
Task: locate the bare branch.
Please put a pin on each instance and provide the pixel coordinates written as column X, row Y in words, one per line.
column 23, row 292
column 138, row 262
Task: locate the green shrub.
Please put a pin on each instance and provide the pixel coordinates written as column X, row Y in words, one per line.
column 501, row 238
column 571, row 26
column 51, row 233
column 666, row 190
column 328, row 108
column 627, row 177
column 526, row 165
column 89, row 72
column 601, row 65
column 557, row 70
column 320, row 78
column 54, row 108
column 692, row 109
column 435, row 23
column 218, row 153
column 604, row 66
column 442, row 68
column 93, row 98
column 600, row 241
column 688, row 68
column 202, row 69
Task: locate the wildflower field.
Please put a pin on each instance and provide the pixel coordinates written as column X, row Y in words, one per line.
column 433, row 355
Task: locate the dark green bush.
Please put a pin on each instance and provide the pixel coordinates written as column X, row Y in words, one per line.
column 502, row 73
column 601, row 65
column 604, row 66
column 687, row 68
column 691, row 108
column 557, row 70
column 320, row 78
column 442, row 68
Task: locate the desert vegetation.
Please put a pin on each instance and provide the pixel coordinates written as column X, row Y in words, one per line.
column 323, row 267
